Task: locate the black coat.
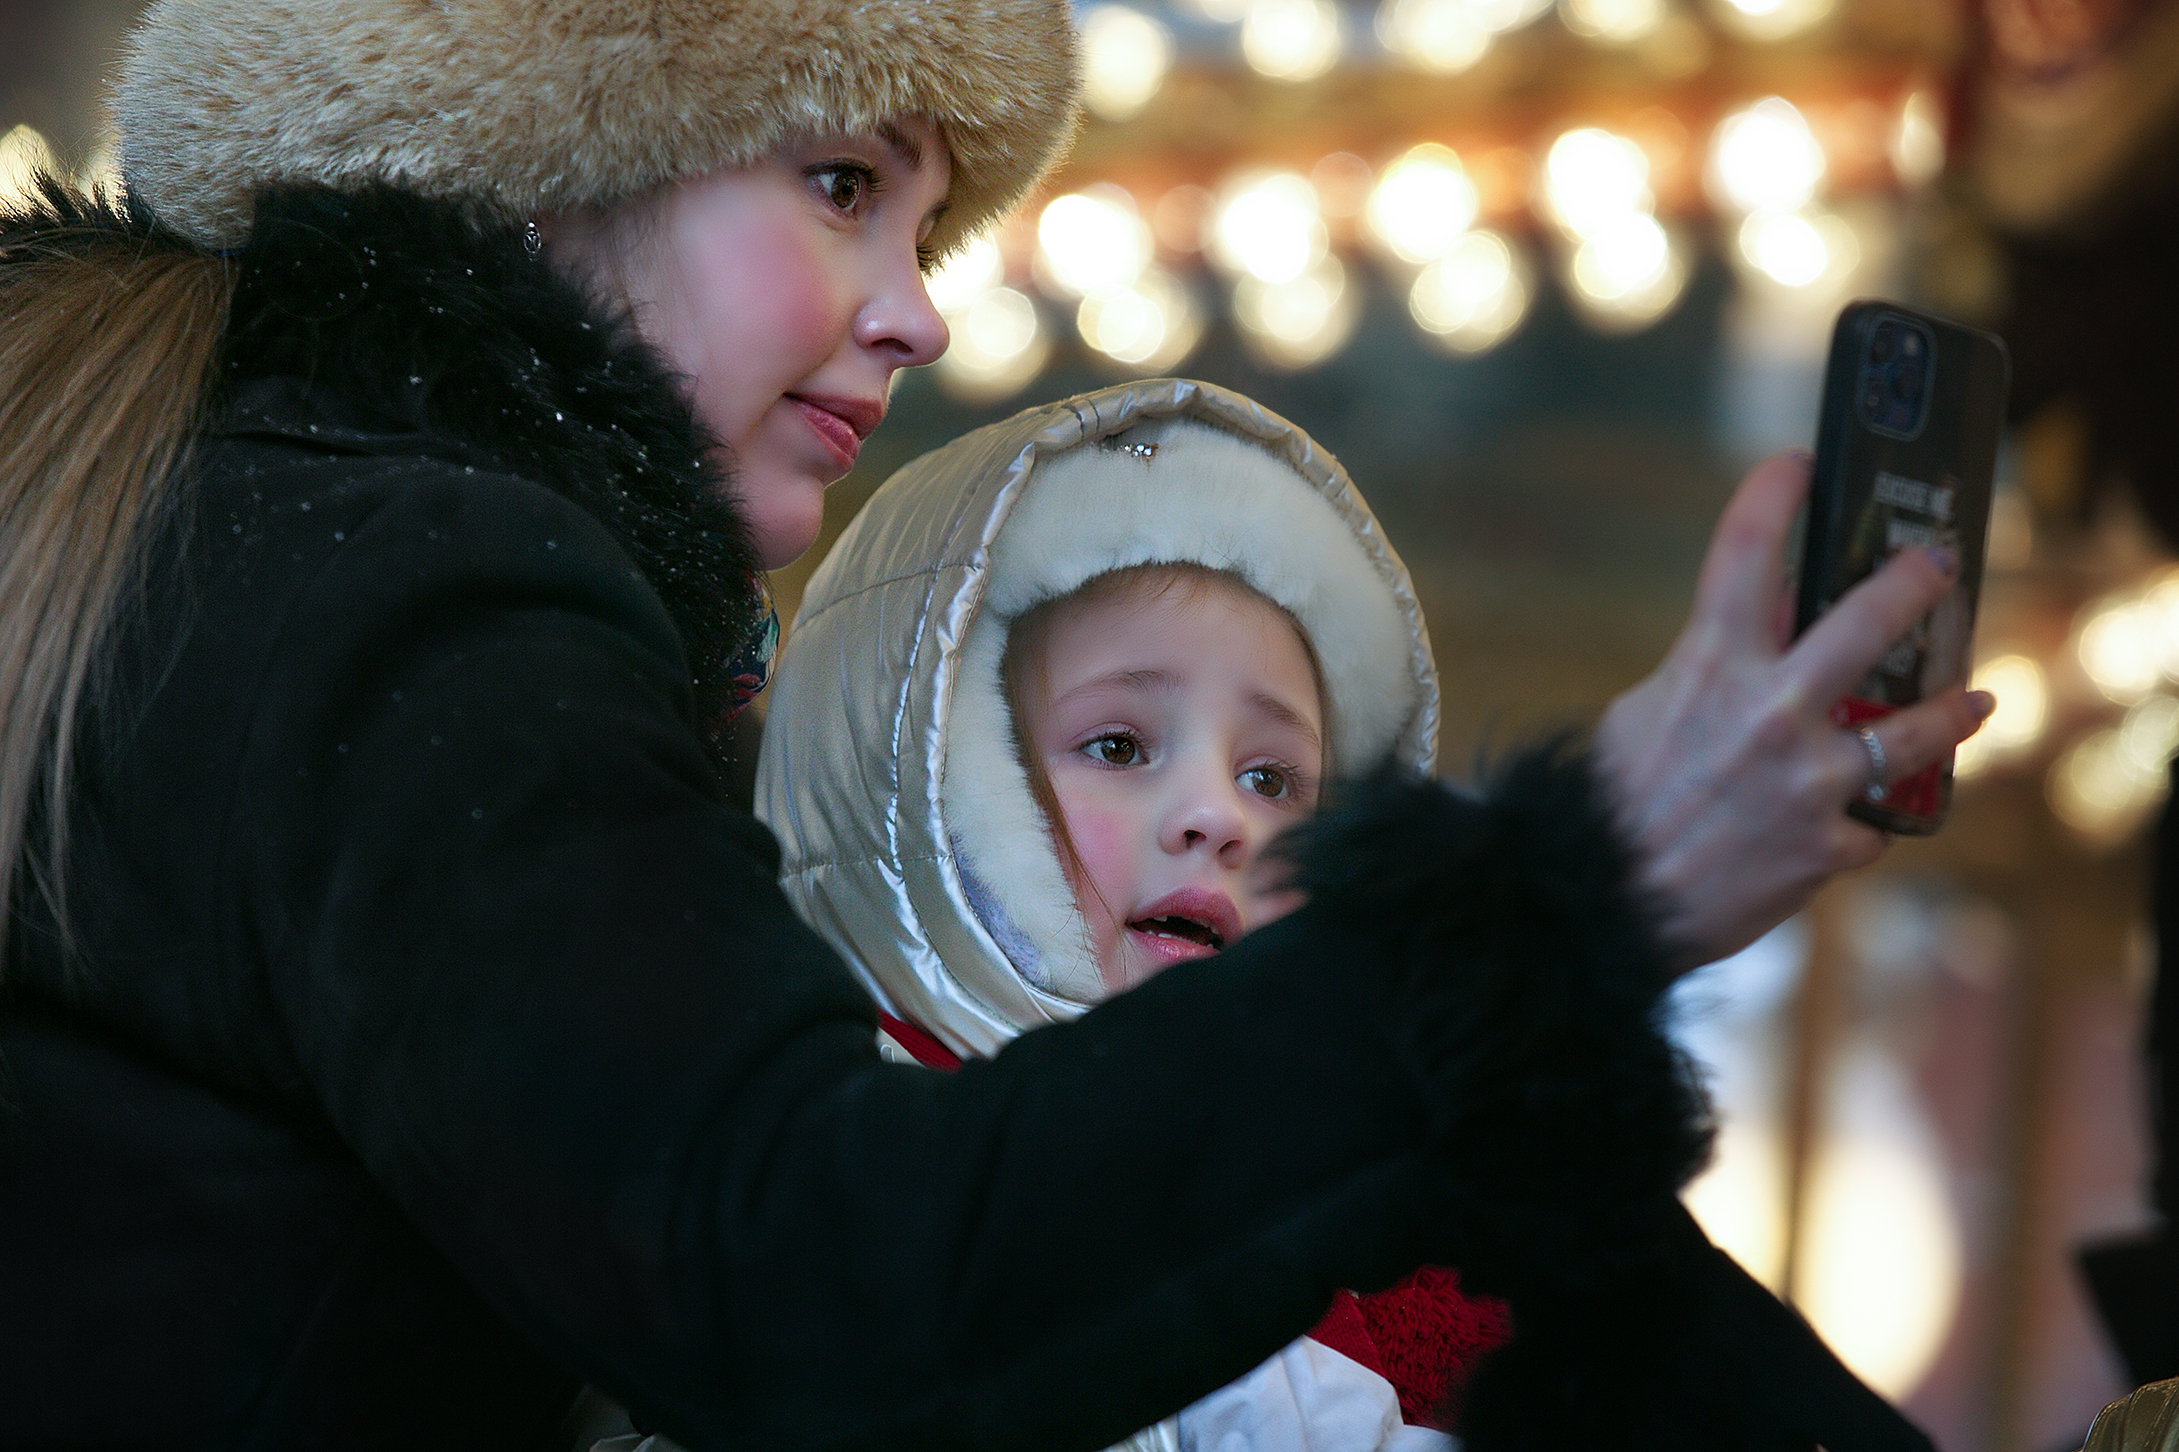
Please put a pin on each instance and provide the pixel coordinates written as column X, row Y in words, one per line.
column 434, row 1036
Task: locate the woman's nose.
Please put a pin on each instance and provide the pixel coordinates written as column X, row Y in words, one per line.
column 901, row 322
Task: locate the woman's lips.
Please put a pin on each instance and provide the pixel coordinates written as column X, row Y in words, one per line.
column 841, row 424
column 834, row 432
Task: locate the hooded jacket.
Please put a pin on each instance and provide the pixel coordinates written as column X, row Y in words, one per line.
column 911, row 612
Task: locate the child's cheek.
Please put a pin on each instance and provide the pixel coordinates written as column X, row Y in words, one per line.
column 1102, row 833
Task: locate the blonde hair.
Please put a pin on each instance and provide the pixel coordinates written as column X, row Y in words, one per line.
column 1024, row 664
column 108, row 336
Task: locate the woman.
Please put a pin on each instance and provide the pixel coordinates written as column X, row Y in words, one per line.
column 401, row 1028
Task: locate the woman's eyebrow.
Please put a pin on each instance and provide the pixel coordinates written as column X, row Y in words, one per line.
column 901, row 142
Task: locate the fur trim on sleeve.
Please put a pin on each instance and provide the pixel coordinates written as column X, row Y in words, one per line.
column 1566, row 1124
column 1537, row 978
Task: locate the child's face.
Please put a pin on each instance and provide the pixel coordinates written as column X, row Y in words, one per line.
column 1181, row 731
column 786, row 294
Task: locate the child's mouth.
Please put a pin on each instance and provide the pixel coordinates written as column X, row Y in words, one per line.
column 1183, row 928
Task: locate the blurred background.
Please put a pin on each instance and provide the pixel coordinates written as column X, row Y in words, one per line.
column 1547, row 275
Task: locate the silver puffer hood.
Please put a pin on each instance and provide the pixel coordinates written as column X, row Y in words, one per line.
column 911, row 838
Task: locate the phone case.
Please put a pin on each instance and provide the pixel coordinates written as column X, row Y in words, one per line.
column 1901, row 464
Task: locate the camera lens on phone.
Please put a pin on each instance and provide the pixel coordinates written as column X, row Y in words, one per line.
column 1880, row 345
column 1907, row 384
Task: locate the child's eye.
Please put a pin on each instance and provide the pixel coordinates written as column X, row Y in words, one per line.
column 1114, row 749
column 1275, row 782
column 845, row 184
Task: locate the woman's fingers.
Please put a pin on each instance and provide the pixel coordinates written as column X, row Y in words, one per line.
column 1744, row 570
column 1868, row 620
column 1919, row 735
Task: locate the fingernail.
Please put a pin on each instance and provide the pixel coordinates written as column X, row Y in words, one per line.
column 1799, row 456
column 1982, row 703
column 1944, row 557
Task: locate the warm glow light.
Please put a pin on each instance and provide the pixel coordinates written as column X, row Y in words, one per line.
column 1435, row 35
column 1472, row 298
column 1772, row 19
column 1224, row 12
column 963, row 277
column 2023, row 702
column 1878, row 1269
column 1917, row 142
column 1091, row 239
column 1797, row 250
column 1149, row 327
column 2149, row 734
column 2119, row 649
column 1628, row 274
column 24, row 153
column 1267, row 226
column 1594, row 180
column 1422, row 205
column 1765, row 159
column 1292, row 40
column 998, row 345
column 1498, row 16
column 2100, row 789
column 1125, row 55
column 1613, row 22
column 1300, row 321
column 1740, row 1200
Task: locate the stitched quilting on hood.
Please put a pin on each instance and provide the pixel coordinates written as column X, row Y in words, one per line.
column 388, row 315
column 911, row 836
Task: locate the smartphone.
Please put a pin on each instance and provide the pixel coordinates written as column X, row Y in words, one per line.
column 1906, row 447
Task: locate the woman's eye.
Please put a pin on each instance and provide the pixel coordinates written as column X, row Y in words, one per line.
column 1115, row 750
column 845, row 187
column 1268, row 781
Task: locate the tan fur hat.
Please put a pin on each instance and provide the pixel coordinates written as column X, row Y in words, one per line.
column 530, row 106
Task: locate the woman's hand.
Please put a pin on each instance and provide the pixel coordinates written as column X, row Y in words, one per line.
column 1724, row 766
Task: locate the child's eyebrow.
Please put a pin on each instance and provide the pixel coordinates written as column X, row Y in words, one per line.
column 1279, row 711
column 1147, row 679
column 902, row 143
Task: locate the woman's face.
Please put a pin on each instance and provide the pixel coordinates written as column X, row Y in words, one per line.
column 1181, row 731
column 786, row 294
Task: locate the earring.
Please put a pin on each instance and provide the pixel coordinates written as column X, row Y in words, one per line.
column 533, row 241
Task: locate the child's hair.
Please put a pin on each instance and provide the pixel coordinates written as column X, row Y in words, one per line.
column 1024, row 665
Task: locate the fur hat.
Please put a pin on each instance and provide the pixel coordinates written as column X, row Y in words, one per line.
column 529, row 106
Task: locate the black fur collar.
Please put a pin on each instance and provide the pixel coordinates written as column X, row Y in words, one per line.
column 403, row 316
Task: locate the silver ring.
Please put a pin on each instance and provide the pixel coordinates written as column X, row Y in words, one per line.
column 1879, row 768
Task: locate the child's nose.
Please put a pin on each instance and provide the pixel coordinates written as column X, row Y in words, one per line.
column 1209, row 820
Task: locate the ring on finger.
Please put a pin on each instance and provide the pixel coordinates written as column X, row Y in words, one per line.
column 1879, row 766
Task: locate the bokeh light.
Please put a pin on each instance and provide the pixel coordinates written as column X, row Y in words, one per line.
column 1799, row 249
column 2119, row 649
column 1091, row 239
column 24, row 153
column 1475, row 296
column 1299, row 321
column 2016, row 725
column 2100, row 788
column 1917, row 141
column 1292, row 40
column 999, row 345
column 1125, row 55
column 1628, row 273
column 1148, row 326
column 1772, row 19
column 1613, row 22
column 1267, row 226
column 1765, row 159
column 973, row 268
column 1442, row 36
column 1593, row 179
column 1422, row 204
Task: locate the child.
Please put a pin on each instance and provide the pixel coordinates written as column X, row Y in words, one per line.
column 1093, row 660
